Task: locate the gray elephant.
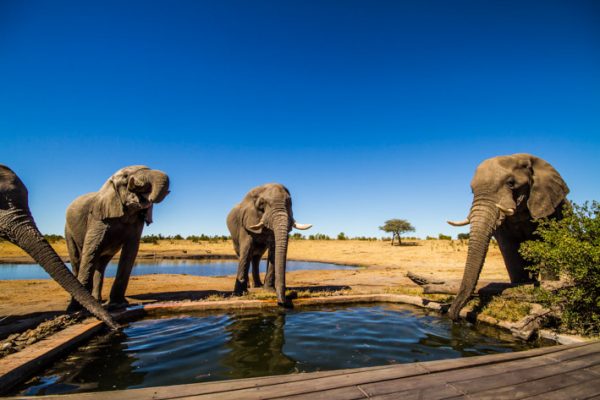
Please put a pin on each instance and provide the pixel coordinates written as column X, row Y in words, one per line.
column 260, row 222
column 18, row 227
column 509, row 194
column 100, row 224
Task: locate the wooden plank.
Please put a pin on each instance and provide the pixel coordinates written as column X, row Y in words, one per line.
column 345, row 393
column 442, row 365
column 337, row 381
column 468, row 374
column 436, row 392
column 514, row 377
column 316, row 385
column 443, row 377
column 544, row 388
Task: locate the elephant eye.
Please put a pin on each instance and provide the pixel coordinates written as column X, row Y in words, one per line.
column 510, row 182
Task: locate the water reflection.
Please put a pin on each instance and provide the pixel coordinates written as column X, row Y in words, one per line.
column 256, row 346
column 212, row 346
column 100, row 365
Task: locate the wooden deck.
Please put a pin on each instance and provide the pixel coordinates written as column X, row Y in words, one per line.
column 559, row 372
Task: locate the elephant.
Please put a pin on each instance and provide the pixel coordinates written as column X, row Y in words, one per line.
column 101, row 223
column 509, row 194
column 260, row 222
column 18, row 226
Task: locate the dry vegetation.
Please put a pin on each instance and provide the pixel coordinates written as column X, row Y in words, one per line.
column 384, row 271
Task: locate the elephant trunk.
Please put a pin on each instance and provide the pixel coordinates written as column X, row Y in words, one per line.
column 22, row 231
column 280, row 224
column 160, row 186
column 484, row 215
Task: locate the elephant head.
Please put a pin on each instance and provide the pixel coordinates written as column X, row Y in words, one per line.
column 268, row 208
column 508, row 193
column 131, row 191
column 17, row 226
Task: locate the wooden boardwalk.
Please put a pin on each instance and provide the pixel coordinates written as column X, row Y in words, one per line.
column 559, row 372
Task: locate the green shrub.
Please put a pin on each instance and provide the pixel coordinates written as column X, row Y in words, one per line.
column 570, row 248
column 463, row 236
column 441, row 236
column 297, row 236
column 341, row 236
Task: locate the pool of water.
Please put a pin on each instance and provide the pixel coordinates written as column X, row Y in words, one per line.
column 189, row 267
column 205, row 347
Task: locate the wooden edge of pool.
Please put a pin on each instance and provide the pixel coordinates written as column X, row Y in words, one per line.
column 18, row 367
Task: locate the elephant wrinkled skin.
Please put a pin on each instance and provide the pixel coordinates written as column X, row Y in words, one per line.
column 262, row 221
column 509, row 194
column 100, row 224
column 18, row 227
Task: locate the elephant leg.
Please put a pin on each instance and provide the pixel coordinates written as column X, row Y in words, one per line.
column 89, row 258
column 270, row 275
column 98, row 281
column 256, row 271
column 241, row 281
column 128, row 254
column 515, row 264
column 74, row 253
column 99, row 269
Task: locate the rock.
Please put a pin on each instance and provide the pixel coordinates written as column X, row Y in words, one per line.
column 31, row 340
column 6, row 346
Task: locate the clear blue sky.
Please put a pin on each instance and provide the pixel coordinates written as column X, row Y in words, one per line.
column 366, row 110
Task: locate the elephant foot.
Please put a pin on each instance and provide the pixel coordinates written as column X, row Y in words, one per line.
column 256, row 284
column 116, row 304
column 74, row 306
column 269, row 288
column 240, row 289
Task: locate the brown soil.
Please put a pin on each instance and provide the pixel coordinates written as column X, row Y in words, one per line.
column 385, row 268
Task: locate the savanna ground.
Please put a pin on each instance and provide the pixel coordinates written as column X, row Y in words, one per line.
column 384, row 270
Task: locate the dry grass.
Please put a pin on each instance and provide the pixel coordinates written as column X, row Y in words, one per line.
column 385, row 272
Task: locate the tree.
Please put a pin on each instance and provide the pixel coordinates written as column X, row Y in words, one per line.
column 570, row 248
column 397, row 227
column 341, row 236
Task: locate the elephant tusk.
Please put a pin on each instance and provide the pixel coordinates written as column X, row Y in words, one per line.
column 459, row 223
column 506, row 211
column 302, row 227
column 257, row 226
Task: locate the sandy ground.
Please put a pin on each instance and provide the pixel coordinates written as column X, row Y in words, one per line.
column 385, row 267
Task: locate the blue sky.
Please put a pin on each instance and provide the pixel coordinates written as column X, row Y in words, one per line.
column 366, row 110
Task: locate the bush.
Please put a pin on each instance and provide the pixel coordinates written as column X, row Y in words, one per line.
column 151, row 239
column 319, row 236
column 463, row 236
column 441, row 236
column 570, row 248
column 341, row 236
column 297, row 236
column 431, row 238
column 53, row 238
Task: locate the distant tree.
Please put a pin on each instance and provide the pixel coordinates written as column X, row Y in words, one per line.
column 341, row 236
column 397, row 227
column 297, row 236
column 441, row 236
column 463, row 236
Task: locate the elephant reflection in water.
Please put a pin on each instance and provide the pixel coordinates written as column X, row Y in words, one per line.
column 256, row 346
column 80, row 371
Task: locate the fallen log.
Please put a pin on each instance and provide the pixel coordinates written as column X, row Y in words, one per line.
column 433, row 285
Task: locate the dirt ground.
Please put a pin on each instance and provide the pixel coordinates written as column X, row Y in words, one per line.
column 384, row 267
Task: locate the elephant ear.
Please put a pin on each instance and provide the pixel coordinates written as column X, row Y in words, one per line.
column 252, row 211
column 548, row 189
column 109, row 203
